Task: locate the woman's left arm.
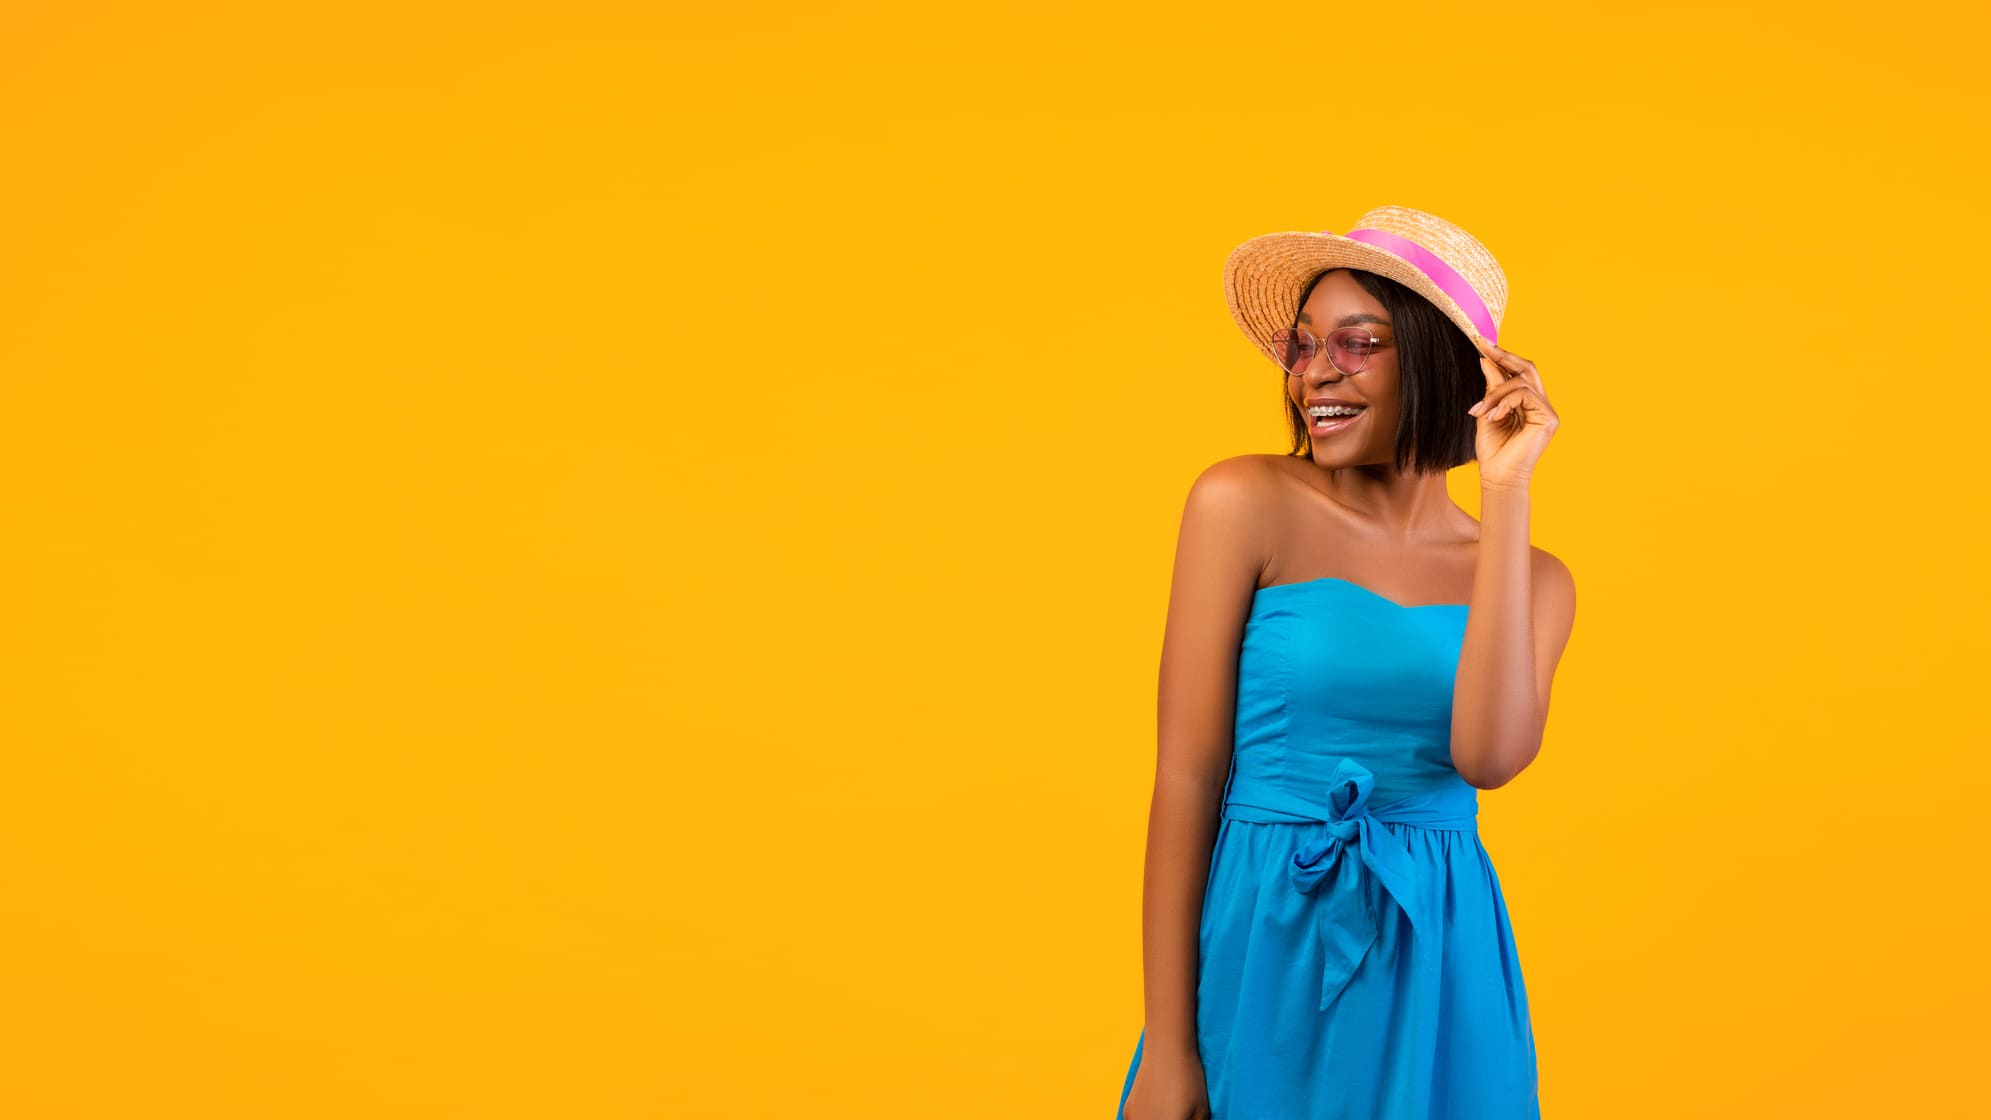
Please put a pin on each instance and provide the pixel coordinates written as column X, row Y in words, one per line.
column 1524, row 599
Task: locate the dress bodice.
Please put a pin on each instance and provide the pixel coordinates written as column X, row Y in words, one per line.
column 1329, row 670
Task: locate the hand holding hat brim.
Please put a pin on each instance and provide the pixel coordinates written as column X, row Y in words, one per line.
column 1515, row 420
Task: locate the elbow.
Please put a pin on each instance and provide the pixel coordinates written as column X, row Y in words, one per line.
column 1493, row 763
column 1489, row 777
column 1488, row 781
column 1492, row 769
column 1478, row 777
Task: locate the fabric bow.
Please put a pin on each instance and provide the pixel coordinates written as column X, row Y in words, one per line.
column 1328, row 869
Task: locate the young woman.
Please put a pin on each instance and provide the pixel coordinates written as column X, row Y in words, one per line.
column 1349, row 658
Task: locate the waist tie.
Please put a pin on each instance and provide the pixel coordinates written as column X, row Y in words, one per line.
column 1327, row 868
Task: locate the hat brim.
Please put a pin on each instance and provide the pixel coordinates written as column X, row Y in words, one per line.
column 1263, row 278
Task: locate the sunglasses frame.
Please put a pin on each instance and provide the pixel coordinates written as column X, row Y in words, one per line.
column 1321, row 345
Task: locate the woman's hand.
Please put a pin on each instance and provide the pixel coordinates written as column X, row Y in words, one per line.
column 1515, row 420
column 1168, row 1088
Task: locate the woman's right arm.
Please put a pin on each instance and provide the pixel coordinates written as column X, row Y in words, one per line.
column 1219, row 556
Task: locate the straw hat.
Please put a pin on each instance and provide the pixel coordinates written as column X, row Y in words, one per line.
column 1264, row 276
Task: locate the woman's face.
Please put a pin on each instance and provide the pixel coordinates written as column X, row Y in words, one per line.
column 1370, row 436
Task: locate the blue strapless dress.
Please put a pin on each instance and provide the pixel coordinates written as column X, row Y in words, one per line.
column 1356, row 961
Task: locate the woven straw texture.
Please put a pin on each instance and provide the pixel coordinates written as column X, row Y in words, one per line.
column 1263, row 277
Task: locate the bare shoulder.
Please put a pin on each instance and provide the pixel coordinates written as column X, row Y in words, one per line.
column 1550, row 573
column 1261, row 478
column 1226, row 508
column 1554, row 595
column 1240, row 480
column 1271, row 466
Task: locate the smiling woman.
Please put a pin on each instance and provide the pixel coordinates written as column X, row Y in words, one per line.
column 1436, row 374
column 1349, row 658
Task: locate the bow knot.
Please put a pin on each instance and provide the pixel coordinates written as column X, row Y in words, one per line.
column 1331, row 868
column 1315, row 859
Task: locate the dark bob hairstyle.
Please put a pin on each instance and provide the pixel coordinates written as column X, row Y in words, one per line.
column 1438, row 378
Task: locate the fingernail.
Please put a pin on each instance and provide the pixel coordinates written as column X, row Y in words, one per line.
column 1475, row 410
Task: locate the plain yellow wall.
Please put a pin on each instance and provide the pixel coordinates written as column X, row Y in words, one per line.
column 609, row 562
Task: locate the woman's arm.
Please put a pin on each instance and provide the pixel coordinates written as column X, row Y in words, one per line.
column 1523, row 607
column 1218, row 558
column 1524, row 601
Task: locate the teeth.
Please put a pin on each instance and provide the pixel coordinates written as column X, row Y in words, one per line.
column 1333, row 410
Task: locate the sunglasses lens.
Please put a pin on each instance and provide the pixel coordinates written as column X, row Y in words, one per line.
column 1294, row 349
column 1351, row 347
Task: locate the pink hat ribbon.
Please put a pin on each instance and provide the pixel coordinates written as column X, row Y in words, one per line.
column 1435, row 269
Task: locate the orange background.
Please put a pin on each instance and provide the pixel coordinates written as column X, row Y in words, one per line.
column 609, row 562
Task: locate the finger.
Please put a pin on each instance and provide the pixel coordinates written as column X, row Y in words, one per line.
column 1499, row 401
column 1497, row 394
column 1519, row 367
column 1508, row 360
column 1516, row 402
column 1494, row 376
column 1533, row 380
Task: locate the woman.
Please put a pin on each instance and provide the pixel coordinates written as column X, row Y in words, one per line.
column 1349, row 657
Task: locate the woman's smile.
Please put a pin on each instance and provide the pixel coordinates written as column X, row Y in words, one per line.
column 1328, row 425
